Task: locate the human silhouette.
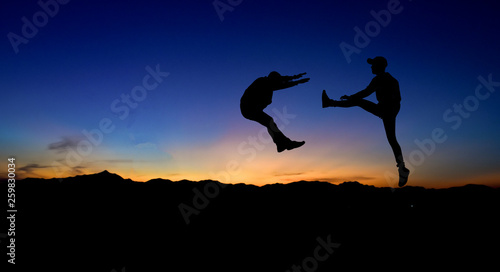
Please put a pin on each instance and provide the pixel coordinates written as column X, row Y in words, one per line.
column 259, row 95
column 386, row 89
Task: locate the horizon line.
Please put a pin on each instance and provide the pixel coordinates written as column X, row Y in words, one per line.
column 249, row 184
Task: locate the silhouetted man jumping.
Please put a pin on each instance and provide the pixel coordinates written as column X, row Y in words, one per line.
column 386, row 89
column 259, row 95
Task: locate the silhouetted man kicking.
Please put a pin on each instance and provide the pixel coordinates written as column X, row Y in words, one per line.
column 259, row 95
column 386, row 89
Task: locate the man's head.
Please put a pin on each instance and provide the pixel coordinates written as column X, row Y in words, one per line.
column 274, row 75
column 378, row 65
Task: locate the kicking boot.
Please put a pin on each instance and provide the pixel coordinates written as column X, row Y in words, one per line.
column 326, row 101
column 289, row 145
column 403, row 174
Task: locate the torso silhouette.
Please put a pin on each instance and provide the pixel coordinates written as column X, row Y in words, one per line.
column 386, row 89
column 259, row 94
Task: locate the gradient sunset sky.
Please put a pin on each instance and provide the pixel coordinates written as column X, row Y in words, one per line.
column 72, row 69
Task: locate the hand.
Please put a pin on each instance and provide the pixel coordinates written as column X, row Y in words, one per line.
column 297, row 76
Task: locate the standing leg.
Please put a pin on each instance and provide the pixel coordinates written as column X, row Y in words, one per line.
column 390, row 131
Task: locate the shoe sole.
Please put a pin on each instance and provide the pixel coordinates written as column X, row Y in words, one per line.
column 292, row 147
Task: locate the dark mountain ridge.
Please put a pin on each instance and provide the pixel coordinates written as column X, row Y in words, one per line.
column 111, row 178
column 102, row 222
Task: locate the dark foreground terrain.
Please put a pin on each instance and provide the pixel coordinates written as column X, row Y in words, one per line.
column 102, row 222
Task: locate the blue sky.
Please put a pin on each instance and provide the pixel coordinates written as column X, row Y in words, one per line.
column 90, row 53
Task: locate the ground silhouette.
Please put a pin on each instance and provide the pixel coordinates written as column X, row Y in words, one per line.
column 103, row 222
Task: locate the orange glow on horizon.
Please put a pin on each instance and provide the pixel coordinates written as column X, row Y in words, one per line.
column 261, row 178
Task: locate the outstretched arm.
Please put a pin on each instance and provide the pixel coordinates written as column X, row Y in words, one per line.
column 361, row 94
column 288, row 84
column 288, row 78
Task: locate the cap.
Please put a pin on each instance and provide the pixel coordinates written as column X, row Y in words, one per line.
column 377, row 61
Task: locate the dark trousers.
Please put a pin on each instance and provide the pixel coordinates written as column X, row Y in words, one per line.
column 259, row 116
column 388, row 115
